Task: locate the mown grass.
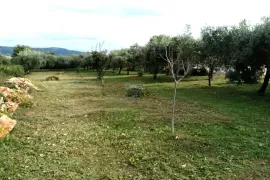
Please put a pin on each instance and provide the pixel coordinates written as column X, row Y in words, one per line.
column 77, row 129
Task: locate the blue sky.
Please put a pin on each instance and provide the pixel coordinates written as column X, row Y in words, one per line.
column 81, row 24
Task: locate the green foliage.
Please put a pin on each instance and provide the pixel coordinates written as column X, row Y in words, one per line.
column 30, row 60
column 120, row 59
column 100, row 60
column 154, row 49
column 140, row 73
column 52, row 78
column 243, row 76
column 135, row 90
column 50, row 61
column 75, row 61
column 249, row 50
column 198, row 72
column 135, row 57
column 19, row 48
column 4, row 60
column 11, row 70
column 62, row 62
column 87, row 60
column 214, row 49
column 233, row 76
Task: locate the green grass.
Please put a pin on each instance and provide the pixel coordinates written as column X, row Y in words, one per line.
column 78, row 130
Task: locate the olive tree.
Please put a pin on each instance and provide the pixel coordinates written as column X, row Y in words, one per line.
column 30, row 60
column 136, row 57
column 262, row 50
column 154, row 50
column 17, row 49
column 100, row 60
column 213, row 49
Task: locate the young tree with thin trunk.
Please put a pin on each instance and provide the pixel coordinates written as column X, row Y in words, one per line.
column 175, row 65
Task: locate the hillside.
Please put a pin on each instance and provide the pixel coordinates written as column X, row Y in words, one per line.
column 55, row 50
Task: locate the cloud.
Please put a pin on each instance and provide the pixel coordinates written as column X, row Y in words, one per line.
column 113, row 11
column 81, row 24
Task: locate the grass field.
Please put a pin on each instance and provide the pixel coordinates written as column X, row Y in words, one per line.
column 78, row 130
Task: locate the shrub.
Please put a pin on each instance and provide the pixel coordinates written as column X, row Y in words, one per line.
column 198, row 72
column 4, row 60
column 11, row 70
column 140, row 73
column 242, row 76
column 52, row 78
column 135, row 91
column 233, row 76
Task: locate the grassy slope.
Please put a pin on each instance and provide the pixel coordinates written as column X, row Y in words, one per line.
column 79, row 131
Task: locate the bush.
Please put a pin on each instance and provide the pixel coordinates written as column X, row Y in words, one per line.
column 198, row 72
column 140, row 73
column 242, row 76
column 233, row 76
column 4, row 60
column 135, row 91
column 11, row 70
column 52, row 78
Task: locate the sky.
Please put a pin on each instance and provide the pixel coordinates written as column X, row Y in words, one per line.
column 81, row 24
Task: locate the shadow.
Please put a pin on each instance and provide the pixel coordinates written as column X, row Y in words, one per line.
column 148, row 78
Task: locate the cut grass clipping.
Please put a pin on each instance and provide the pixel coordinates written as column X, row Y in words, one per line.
column 135, row 90
column 52, row 78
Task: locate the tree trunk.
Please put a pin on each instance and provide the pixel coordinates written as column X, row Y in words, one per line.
column 173, row 108
column 113, row 70
column 209, row 80
column 211, row 72
column 120, row 69
column 154, row 76
column 265, row 82
column 127, row 71
column 155, row 73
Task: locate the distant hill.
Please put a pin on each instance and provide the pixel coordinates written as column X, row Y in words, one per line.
column 55, row 50
column 6, row 50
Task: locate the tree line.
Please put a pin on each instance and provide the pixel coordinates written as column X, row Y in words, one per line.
column 242, row 51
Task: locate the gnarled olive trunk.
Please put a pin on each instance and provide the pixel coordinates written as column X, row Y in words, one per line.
column 265, row 82
column 155, row 72
column 210, row 75
column 154, row 76
column 120, row 69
